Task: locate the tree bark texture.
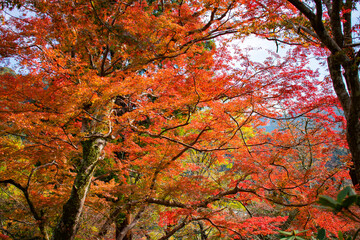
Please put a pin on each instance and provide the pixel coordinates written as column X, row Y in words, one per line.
column 68, row 224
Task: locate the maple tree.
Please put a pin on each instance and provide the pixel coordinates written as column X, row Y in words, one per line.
column 327, row 30
column 127, row 113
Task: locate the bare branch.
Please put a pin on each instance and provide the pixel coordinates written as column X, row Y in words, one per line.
column 317, row 24
column 167, row 203
column 26, row 195
column 132, row 224
column 37, row 168
column 175, row 229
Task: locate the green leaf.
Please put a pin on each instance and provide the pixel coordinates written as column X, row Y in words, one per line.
column 327, row 201
column 286, row 233
column 349, row 201
column 297, row 231
column 342, row 194
column 340, row 235
column 321, row 234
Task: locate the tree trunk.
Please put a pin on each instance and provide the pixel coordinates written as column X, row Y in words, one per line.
column 121, row 222
column 68, row 224
column 353, row 139
column 343, row 57
column 349, row 97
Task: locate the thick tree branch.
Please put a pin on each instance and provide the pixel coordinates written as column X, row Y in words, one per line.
column 338, row 84
column 335, row 22
column 303, row 9
column 319, row 11
column 175, row 229
column 317, row 24
column 132, row 224
column 25, row 192
column 167, row 203
column 347, row 23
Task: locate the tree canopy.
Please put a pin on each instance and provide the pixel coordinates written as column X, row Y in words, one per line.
column 140, row 119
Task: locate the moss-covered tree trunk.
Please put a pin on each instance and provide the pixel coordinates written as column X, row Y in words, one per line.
column 68, row 224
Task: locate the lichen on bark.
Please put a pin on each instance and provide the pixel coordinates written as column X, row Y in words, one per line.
column 68, row 224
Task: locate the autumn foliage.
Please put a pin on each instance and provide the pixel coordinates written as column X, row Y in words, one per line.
column 140, row 120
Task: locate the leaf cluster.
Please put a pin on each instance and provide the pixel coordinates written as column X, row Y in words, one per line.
column 345, row 198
